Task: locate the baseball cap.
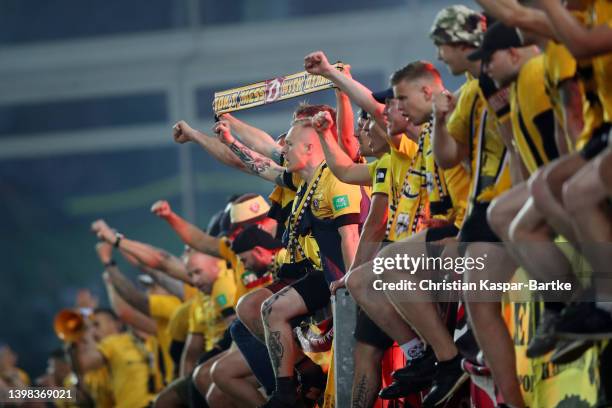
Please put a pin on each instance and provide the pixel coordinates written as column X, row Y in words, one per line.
column 497, row 37
column 382, row 96
column 253, row 236
column 458, row 24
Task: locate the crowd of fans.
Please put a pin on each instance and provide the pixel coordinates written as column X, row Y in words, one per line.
column 514, row 167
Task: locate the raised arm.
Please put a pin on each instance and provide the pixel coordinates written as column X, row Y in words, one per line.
column 187, row 232
column 339, row 163
column 184, row 133
column 514, row 14
column 154, row 258
column 254, row 138
column 317, row 63
column 344, row 119
column 126, row 312
column 581, row 41
column 258, row 164
column 447, row 151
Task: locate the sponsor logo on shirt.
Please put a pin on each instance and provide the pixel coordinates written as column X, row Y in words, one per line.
column 340, row 202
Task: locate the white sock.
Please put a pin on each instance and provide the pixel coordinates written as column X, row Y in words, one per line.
column 413, row 349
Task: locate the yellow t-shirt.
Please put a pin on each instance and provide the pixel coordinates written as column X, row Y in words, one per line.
column 474, row 122
column 532, row 117
column 189, row 291
column 161, row 309
column 332, row 204
column 98, row 384
column 379, row 172
column 447, row 189
column 178, row 325
column 206, row 319
column 406, row 197
column 130, row 366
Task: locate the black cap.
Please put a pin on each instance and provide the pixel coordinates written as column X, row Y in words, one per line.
column 382, row 96
column 253, row 236
column 497, row 37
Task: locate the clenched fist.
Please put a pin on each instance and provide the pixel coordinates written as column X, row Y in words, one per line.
column 222, row 129
column 182, row 132
column 443, row 104
column 322, row 121
column 316, row 63
column 103, row 231
column 161, row 208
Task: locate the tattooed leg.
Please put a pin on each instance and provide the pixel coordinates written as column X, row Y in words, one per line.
column 367, row 378
column 276, row 313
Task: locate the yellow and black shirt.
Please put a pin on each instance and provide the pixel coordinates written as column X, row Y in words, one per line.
column 321, row 206
column 406, row 193
column 131, row 369
column 161, row 309
column 533, row 122
column 474, row 122
column 379, row 172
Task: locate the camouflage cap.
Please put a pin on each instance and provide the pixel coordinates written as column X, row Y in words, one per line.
column 458, row 24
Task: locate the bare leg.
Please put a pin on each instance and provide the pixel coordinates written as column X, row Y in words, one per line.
column 376, row 305
column 233, row 376
column 276, row 312
column 201, row 374
column 419, row 310
column 489, row 327
column 248, row 311
column 217, row 399
column 546, row 189
column 367, row 379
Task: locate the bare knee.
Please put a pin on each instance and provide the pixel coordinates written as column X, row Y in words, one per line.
column 219, row 373
column 249, row 306
column 201, row 378
column 356, row 283
column 498, row 216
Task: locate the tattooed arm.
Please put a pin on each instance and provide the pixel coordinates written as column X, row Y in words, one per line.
column 259, row 165
column 254, row 138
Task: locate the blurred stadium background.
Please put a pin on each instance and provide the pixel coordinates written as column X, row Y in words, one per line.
column 89, row 91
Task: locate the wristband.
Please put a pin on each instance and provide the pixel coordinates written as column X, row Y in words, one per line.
column 118, row 238
column 110, row 263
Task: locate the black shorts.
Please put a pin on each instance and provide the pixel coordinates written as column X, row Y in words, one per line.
column 366, row 331
column 314, row 290
column 432, row 235
column 598, row 142
column 476, row 228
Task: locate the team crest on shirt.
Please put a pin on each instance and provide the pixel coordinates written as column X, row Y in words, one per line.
column 340, row 202
column 380, row 175
column 221, row 300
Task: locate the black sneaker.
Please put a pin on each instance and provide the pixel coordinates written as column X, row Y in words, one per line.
column 398, row 389
column 419, row 369
column 544, row 339
column 448, row 379
column 584, row 321
column 568, row 351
